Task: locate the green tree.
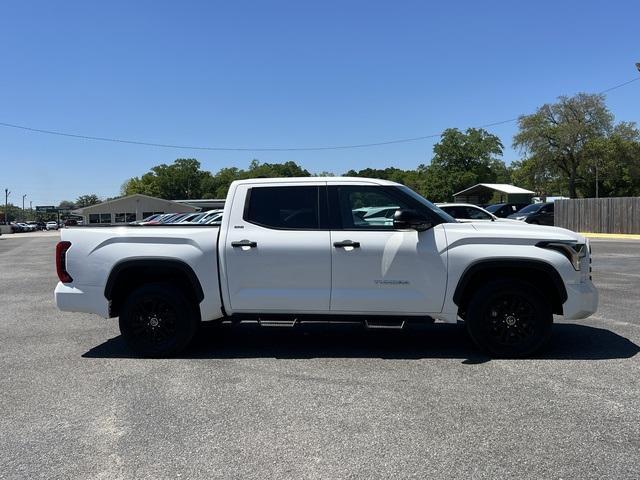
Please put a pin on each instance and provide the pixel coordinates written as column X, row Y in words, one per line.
column 274, row 170
column 535, row 174
column 86, row 200
column 8, row 215
column 66, row 205
column 615, row 161
column 180, row 180
column 462, row 159
column 185, row 179
column 557, row 135
column 414, row 179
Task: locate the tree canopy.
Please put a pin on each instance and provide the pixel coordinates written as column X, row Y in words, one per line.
column 184, row 179
column 66, row 205
column 463, row 159
column 563, row 143
column 566, row 141
column 86, row 200
column 460, row 160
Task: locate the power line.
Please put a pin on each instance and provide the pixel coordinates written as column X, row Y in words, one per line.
column 618, row 86
column 265, row 149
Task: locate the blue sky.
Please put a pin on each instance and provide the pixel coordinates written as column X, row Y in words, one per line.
column 285, row 74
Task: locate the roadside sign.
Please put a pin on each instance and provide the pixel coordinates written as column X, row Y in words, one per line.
column 46, row 208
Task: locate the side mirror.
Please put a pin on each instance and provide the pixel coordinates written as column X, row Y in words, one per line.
column 410, row 219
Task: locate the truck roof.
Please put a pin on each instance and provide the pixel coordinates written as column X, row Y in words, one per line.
column 374, row 181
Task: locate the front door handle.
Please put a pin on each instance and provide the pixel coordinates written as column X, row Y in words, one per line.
column 244, row 243
column 346, row 243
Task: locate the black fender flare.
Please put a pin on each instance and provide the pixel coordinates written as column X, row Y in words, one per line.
column 511, row 263
column 151, row 263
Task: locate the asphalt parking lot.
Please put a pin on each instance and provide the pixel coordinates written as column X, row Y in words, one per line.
column 327, row 404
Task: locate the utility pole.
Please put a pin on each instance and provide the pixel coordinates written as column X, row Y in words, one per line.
column 6, row 206
column 596, row 178
column 23, row 212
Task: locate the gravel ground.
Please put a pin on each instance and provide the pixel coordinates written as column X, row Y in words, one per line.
column 256, row 403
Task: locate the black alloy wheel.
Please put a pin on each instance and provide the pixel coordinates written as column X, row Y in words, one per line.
column 157, row 320
column 509, row 318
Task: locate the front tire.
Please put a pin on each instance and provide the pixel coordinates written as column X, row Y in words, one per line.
column 509, row 318
column 158, row 320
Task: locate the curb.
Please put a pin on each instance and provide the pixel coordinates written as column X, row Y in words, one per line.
column 612, row 236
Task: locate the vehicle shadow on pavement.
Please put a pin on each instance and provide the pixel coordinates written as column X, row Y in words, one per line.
column 569, row 342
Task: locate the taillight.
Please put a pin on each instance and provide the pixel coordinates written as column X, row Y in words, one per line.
column 61, row 262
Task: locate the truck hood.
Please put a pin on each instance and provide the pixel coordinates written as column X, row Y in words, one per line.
column 519, row 232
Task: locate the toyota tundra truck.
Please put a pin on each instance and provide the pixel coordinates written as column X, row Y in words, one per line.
column 296, row 250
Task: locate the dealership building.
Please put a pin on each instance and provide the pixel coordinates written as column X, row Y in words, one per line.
column 132, row 208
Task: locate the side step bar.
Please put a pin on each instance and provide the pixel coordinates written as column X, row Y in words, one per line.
column 384, row 323
column 269, row 322
column 289, row 321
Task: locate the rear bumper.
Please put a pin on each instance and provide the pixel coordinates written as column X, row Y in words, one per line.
column 70, row 298
column 582, row 300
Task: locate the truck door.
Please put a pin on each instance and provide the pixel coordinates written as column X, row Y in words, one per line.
column 277, row 256
column 377, row 269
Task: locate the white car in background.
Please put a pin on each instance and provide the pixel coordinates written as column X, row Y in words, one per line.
column 26, row 227
column 189, row 218
column 467, row 212
column 52, row 225
column 217, row 218
column 210, row 216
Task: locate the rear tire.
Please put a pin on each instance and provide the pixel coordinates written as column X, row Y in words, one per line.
column 158, row 320
column 509, row 318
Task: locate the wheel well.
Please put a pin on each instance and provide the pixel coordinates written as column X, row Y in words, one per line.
column 127, row 276
column 542, row 275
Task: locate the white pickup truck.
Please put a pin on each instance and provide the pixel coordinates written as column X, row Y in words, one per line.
column 338, row 249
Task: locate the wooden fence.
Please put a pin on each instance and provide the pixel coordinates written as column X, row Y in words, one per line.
column 599, row 215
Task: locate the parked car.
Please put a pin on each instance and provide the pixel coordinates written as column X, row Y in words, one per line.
column 177, row 218
column 536, row 213
column 283, row 256
column 503, row 210
column 26, row 227
column 188, row 218
column 52, row 225
column 213, row 219
column 146, row 220
column 193, row 218
column 37, row 225
column 467, row 212
column 156, row 219
column 210, row 215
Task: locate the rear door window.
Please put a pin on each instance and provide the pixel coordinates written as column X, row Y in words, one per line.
column 289, row 208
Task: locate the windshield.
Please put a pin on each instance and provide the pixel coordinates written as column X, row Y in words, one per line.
column 438, row 211
column 493, row 208
column 534, row 207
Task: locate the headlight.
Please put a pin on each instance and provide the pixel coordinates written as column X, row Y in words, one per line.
column 574, row 251
column 521, row 218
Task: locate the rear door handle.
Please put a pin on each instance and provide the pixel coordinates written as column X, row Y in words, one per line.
column 346, row 243
column 244, row 243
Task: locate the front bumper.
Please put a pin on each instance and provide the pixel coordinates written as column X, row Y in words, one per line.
column 582, row 300
column 71, row 298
